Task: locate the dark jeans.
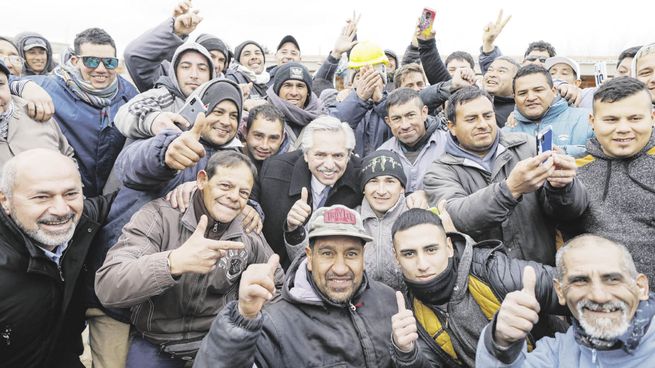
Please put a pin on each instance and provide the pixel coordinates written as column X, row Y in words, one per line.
column 144, row 354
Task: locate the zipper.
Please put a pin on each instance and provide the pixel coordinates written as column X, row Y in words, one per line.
column 61, row 272
column 363, row 337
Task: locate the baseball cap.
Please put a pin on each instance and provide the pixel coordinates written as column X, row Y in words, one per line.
column 288, row 38
column 33, row 42
column 337, row 220
column 563, row 60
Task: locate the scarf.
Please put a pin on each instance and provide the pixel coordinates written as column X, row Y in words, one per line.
column 431, row 126
column 294, row 114
column 438, row 290
column 630, row 340
column 100, row 98
column 261, row 78
column 4, row 120
column 486, row 162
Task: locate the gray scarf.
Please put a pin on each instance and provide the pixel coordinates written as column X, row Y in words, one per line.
column 299, row 118
column 100, row 98
column 4, row 120
column 487, row 162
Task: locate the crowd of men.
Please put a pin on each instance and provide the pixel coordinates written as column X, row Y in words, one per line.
column 384, row 212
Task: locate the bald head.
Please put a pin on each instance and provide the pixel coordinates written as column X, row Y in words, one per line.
column 598, row 244
column 39, row 162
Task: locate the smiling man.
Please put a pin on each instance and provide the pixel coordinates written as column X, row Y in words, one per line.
column 264, row 134
column 495, row 186
column 616, row 171
column 204, row 245
column 46, row 229
column 611, row 305
column 329, row 313
column 643, row 68
column 248, row 69
column 322, row 173
column 455, row 286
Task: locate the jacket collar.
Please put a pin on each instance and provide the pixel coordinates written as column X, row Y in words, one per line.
column 368, row 213
column 558, row 106
column 301, row 177
column 190, row 222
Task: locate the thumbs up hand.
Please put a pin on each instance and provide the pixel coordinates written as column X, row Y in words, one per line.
column 519, row 312
column 300, row 211
column 403, row 326
column 257, row 286
column 186, row 150
column 199, row 254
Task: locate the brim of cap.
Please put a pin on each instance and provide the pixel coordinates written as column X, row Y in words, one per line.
column 33, row 46
column 331, row 232
column 562, row 60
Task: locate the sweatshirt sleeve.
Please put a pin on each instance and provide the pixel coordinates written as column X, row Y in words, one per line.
column 434, row 68
column 141, row 165
column 485, row 59
column 134, row 119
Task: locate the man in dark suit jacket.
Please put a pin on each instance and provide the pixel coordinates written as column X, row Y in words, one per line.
column 293, row 185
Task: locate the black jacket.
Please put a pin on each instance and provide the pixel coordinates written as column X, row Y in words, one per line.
column 301, row 328
column 280, row 182
column 41, row 314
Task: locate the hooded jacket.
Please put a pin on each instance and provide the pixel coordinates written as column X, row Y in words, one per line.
column 149, row 56
column 488, row 264
column 570, row 125
column 134, row 119
column 42, row 316
column 20, row 40
column 302, row 328
column 621, row 201
column 481, row 205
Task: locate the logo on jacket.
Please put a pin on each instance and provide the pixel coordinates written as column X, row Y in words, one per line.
column 233, row 263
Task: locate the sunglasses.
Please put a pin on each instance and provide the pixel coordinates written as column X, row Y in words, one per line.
column 541, row 59
column 94, row 61
column 12, row 59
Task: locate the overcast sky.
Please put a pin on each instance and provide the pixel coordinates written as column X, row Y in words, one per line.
column 575, row 28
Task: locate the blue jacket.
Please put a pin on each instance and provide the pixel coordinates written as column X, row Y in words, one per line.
column 367, row 120
column 571, row 129
column 96, row 146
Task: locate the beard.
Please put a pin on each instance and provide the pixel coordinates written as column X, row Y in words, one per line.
column 605, row 328
column 50, row 239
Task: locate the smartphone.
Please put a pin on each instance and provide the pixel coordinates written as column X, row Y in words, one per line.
column 545, row 140
column 426, row 21
column 192, row 108
column 600, row 72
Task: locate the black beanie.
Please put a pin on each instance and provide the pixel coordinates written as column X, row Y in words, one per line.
column 239, row 49
column 212, row 43
column 292, row 70
column 380, row 163
column 220, row 90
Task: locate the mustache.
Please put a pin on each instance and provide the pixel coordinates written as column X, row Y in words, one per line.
column 604, row 307
column 54, row 218
column 332, row 276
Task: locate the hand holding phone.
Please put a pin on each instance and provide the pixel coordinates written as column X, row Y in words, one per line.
column 545, row 140
column 191, row 109
column 426, row 22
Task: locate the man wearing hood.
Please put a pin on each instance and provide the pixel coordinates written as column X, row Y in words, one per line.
column 291, row 93
column 538, row 105
column 329, row 313
column 455, row 287
column 611, row 305
column 88, row 93
column 148, row 57
column 177, row 269
column 495, row 186
column 37, row 53
column 150, row 168
column 417, row 137
column 617, row 173
column 154, row 110
column 248, row 69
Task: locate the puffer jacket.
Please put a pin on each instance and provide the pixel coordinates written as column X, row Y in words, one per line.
column 571, row 129
column 134, row 120
column 621, row 201
column 366, row 118
column 164, row 309
column 96, row 144
column 482, row 206
column 464, row 319
column 301, row 328
column 25, row 133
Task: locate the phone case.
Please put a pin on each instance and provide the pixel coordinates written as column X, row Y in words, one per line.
column 426, row 21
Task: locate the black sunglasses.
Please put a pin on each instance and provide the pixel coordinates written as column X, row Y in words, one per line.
column 533, row 58
column 94, row 61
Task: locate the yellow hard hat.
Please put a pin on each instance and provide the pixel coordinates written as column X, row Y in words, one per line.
column 367, row 53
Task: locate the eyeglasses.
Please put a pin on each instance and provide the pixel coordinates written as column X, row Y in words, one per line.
column 12, row 59
column 542, row 59
column 94, row 61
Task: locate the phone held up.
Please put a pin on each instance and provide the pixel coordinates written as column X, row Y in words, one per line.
column 191, row 109
column 426, row 21
column 545, row 140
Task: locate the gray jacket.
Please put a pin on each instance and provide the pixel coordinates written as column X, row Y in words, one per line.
column 415, row 172
column 302, row 328
column 482, row 206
